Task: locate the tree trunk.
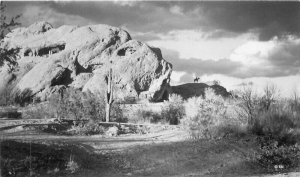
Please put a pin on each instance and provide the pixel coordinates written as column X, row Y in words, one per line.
column 107, row 112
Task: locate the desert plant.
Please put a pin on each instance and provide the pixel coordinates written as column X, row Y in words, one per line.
column 89, row 128
column 270, row 96
column 173, row 110
column 204, row 114
column 109, row 95
column 143, row 115
column 37, row 111
column 71, row 165
column 249, row 102
column 276, row 158
column 276, row 124
column 7, row 55
column 77, row 105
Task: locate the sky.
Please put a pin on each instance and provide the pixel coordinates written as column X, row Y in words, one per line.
column 233, row 42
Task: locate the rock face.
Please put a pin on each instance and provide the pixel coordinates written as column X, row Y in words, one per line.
column 197, row 89
column 80, row 57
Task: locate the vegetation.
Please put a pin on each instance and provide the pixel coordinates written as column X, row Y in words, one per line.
column 7, row 55
column 173, row 110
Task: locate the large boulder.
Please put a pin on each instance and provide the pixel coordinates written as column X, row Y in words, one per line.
column 138, row 71
column 80, row 57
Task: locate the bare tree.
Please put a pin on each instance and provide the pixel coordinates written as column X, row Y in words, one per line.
column 271, row 94
column 249, row 102
column 7, row 55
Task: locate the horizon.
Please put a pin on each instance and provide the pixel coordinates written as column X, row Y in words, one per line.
column 233, row 42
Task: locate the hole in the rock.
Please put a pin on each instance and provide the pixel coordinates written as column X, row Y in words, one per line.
column 28, row 52
column 122, row 52
column 51, row 49
column 126, row 51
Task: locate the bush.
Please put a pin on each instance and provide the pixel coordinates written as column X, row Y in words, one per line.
column 77, row 105
column 173, row 110
column 90, row 128
column 145, row 116
column 274, row 157
column 203, row 115
column 37, row 111
column 276, row 124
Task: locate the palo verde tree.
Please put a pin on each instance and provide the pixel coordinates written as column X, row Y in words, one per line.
column 7, row 55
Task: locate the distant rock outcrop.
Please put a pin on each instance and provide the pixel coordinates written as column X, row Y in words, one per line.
column 197, row 89
column 80, row 57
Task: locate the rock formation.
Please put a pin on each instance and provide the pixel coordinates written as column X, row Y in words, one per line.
column 80, row 57
column 197, row 89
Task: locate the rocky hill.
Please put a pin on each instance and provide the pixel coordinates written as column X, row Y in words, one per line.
column 197, row 89
column 51, row 59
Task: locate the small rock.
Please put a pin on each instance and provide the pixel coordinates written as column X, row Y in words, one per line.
column 112, row 131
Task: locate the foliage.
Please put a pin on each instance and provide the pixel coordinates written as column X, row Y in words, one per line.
column 203, row 115
column 37, row 111
column 276, row 124
column 173, row 110
column 76, row 105
column 72, row 166
column 7, row 55
column 145, row 116
column 90, row 128
column 274, row 157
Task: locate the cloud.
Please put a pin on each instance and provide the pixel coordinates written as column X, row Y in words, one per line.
column 199, row 66
column 274, row 58
column 266, row 19
column 199, row 44
column 33, row 13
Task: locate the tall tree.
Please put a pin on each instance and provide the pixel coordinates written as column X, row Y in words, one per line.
column 7, row 55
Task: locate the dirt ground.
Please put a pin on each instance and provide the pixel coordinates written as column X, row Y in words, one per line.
column 169, row 152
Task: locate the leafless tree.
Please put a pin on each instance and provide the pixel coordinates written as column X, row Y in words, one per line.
column 271, row 94
column 249, row 102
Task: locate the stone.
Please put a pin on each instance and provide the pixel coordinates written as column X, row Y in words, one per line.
column 79, row 57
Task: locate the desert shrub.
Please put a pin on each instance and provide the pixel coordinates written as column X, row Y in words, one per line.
column 72, row 166
column 90, row 128
column 277, row 137
column 275, row 157
column 173, row 110
column 203, row 115
column 117, row 114
column 77, row 105
column 276, row 124
column 142, row 115
column 37, row 111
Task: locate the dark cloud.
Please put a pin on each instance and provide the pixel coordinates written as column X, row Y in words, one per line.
column 268, row 19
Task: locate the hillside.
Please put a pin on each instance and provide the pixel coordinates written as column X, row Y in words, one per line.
column 197, row 89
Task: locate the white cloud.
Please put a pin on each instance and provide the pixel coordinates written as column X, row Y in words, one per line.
column 197, row 44
column 176, row 10
column 268, row 58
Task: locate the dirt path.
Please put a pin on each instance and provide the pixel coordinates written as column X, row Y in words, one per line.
column 163, row 153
